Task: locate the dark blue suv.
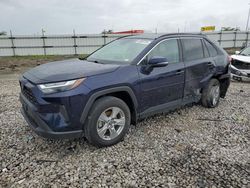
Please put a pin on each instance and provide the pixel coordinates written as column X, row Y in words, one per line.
column 126, row 80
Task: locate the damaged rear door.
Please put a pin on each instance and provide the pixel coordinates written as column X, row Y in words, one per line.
column 199, row 66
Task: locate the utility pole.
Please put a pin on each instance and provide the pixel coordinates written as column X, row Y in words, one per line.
column 156, row 30
column 74, row 37
column 43, row 32
column 248, row 17
column 12, row 43
column 185, row 25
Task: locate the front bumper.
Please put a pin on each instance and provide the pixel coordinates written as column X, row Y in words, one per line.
column 31, row 115
column 240, row 78
column 240, row 75
column 54, row 115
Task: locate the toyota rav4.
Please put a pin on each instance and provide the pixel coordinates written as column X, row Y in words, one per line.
column 131, row 78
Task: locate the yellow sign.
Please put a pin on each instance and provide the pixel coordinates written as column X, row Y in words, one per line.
column 208, row 28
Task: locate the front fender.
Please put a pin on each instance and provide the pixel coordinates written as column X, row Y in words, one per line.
column 97, row 94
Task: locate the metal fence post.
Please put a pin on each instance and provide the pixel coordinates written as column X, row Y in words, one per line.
column 235, row 35
column 220, row 37
column 44, row 47
column 74, row 37
column 12, row 43
column 104, row 38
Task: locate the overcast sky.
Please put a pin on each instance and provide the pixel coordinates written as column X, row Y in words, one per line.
column 93, row 16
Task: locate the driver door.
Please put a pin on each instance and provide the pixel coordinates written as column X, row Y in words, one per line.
column 162, row 86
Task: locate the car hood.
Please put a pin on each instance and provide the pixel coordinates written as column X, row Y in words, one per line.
column 67, row 70
column 245, row 59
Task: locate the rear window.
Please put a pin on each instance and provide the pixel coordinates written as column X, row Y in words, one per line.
column 192, row 49
column 211, row 49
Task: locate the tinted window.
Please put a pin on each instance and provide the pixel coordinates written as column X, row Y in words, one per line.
column 192, row 49
column 205, row 50
column 211, row 49
column 168, row 49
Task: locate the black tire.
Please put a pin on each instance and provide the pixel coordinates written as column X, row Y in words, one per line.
column 99, row 106
column 207, row 97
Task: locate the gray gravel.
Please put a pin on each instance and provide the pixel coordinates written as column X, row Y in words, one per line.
column 193, row 146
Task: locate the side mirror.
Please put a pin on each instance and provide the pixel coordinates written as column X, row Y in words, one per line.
column 237, row 52
column 158, row 61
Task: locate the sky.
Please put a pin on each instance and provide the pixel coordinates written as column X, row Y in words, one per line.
column 93, row 16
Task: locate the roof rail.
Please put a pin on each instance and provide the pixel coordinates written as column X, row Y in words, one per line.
column 186, row 34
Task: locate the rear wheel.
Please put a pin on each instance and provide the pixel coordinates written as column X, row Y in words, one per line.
column 211, row 94
column 108, row 121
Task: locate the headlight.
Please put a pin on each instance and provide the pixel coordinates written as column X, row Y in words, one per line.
column 238, row 73
column 234, row 70
column 60, row 86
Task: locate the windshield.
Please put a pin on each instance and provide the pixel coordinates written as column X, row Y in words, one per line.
column 246, row 51
column 120, row 51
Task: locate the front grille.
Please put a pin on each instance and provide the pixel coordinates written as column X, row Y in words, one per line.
column 240, row 64
column 29, row 95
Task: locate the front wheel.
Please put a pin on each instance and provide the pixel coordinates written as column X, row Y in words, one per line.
column 211, row 94
column 108, row 121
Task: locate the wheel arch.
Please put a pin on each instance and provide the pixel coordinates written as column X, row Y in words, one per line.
column 124, row 93
column 224, row 80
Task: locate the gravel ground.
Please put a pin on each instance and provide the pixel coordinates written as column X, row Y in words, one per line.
column 191, row 147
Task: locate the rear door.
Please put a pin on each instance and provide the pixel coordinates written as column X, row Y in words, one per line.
column 199, row 66
column 162, row 85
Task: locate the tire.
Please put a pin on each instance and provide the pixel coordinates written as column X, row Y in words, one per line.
column 102, row 123
column 210, row 97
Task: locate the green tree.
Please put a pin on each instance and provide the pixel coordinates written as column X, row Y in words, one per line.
column 3, row 33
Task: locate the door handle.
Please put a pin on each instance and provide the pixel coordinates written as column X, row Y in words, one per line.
column 210, row 64
column 179, row 72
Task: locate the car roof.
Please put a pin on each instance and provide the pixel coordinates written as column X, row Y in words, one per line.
column 155, row 36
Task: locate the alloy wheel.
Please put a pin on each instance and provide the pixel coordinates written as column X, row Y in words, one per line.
column 110, row 123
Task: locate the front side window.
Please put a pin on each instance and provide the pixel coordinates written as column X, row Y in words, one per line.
column 168, row 49
column 192, row 49
column 121, row 51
